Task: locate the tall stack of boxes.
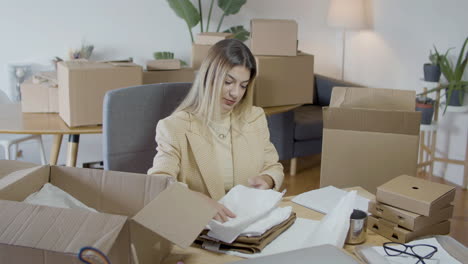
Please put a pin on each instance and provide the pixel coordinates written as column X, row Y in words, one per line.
column 408, row 207
column 285, row 77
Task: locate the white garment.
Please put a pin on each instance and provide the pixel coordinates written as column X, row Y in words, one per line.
column 249, row 205
column 275, row 217
column 53, row 196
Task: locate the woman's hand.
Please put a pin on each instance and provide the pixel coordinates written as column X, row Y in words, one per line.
column 223, row 212
column 262, row 182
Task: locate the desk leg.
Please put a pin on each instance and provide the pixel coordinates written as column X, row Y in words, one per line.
column 465, row 169
column 73, row 141
column 54, row 152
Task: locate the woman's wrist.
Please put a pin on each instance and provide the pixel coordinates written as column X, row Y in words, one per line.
column 269, row 180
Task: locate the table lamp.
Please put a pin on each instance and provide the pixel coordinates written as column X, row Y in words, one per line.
column 347, row 15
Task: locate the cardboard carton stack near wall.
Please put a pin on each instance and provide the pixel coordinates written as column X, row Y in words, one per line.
column 202, row 44
column 285, row 77
column 408, row 207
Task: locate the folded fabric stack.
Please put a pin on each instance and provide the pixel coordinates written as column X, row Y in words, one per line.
column 409, row 207
column 258, row 221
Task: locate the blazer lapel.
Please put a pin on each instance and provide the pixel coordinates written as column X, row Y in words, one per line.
column 203, row 152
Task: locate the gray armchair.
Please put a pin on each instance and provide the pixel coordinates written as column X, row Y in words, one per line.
column 130, row 116
column 298, row 132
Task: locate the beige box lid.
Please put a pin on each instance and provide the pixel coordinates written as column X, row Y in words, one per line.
column 415, row 195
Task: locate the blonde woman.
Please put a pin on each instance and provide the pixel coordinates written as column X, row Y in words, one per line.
column 216, row 139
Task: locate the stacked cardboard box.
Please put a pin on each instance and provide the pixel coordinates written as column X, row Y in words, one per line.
column 83, row 84
column 408, row 207
column 285, row 77
column 203, row 43
column 39, row 96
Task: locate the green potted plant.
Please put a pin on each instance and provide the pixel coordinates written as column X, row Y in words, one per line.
column 455, row 86
column 432, row 70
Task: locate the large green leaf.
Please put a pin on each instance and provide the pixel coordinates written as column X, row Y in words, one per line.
column 239, row 32
column 231, row 7
column 185, row 10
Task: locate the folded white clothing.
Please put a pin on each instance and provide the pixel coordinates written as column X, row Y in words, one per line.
column 274, row 218
column 249, row 205
column 53, row 196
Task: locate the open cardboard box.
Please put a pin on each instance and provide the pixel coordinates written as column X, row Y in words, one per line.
column 370, row 136
column 406, row 219
column 140, row 216
column 416, row 195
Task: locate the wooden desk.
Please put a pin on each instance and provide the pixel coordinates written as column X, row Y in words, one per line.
column 13, row 121
column 194, row 255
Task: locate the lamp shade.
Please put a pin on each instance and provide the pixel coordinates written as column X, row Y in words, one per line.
column 347, row 14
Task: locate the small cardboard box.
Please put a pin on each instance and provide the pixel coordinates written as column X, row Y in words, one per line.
column 83, row 84
column 273, row 37
column 370, row 136
column 182, row 75
column 398, row 234
column 406, row 219
column 199, row 53
column 284, row 80
column 211, row 38
column 416, row 195
column 158, row 65
column 139, row 218
column 39, row 98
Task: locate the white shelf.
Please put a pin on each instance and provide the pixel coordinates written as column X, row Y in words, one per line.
column 454, row 109
column 432, row 127
column 428, row 85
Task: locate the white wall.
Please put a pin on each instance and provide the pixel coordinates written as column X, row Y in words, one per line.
column 389, row 55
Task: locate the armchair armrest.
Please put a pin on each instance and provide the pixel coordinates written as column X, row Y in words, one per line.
column 281, row 128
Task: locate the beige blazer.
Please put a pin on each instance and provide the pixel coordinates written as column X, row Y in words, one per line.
column 187, row 154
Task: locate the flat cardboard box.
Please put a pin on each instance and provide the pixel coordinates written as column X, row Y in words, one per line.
column 284, row 80
column 182, row 75
column 416, row 195
column 158, row 65
column 370, row 136
column 398, row 234
column 211, row 38
column 83, row 84
column 199, row 53
column 273, row 37
column 140, row 216
column 39, row 98
column 406, row 219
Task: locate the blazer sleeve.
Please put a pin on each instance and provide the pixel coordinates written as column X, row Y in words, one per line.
column 271, row 166
column 167, row 159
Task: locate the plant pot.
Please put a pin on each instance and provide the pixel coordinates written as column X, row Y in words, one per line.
column 454, row 99
column 431, row 72
column 427, row 112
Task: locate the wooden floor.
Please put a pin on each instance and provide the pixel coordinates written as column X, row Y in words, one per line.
column 308, row 178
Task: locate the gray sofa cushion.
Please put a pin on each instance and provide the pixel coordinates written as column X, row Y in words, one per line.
column 308, row 122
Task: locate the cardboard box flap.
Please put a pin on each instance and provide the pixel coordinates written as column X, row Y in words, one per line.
column 20, row 179
column 57, row 229
column 371, row 120
column 177, row 214
column 86, row 65
column 373, row 98
column 418, row 190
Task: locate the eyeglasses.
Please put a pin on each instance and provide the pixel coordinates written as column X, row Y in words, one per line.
column 420, row 251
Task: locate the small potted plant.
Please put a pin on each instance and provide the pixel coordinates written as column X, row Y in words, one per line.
column 432, row 70
column 455, row 87
column 425, row 105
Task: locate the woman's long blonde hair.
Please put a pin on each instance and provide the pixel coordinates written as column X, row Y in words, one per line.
column 204, row 98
